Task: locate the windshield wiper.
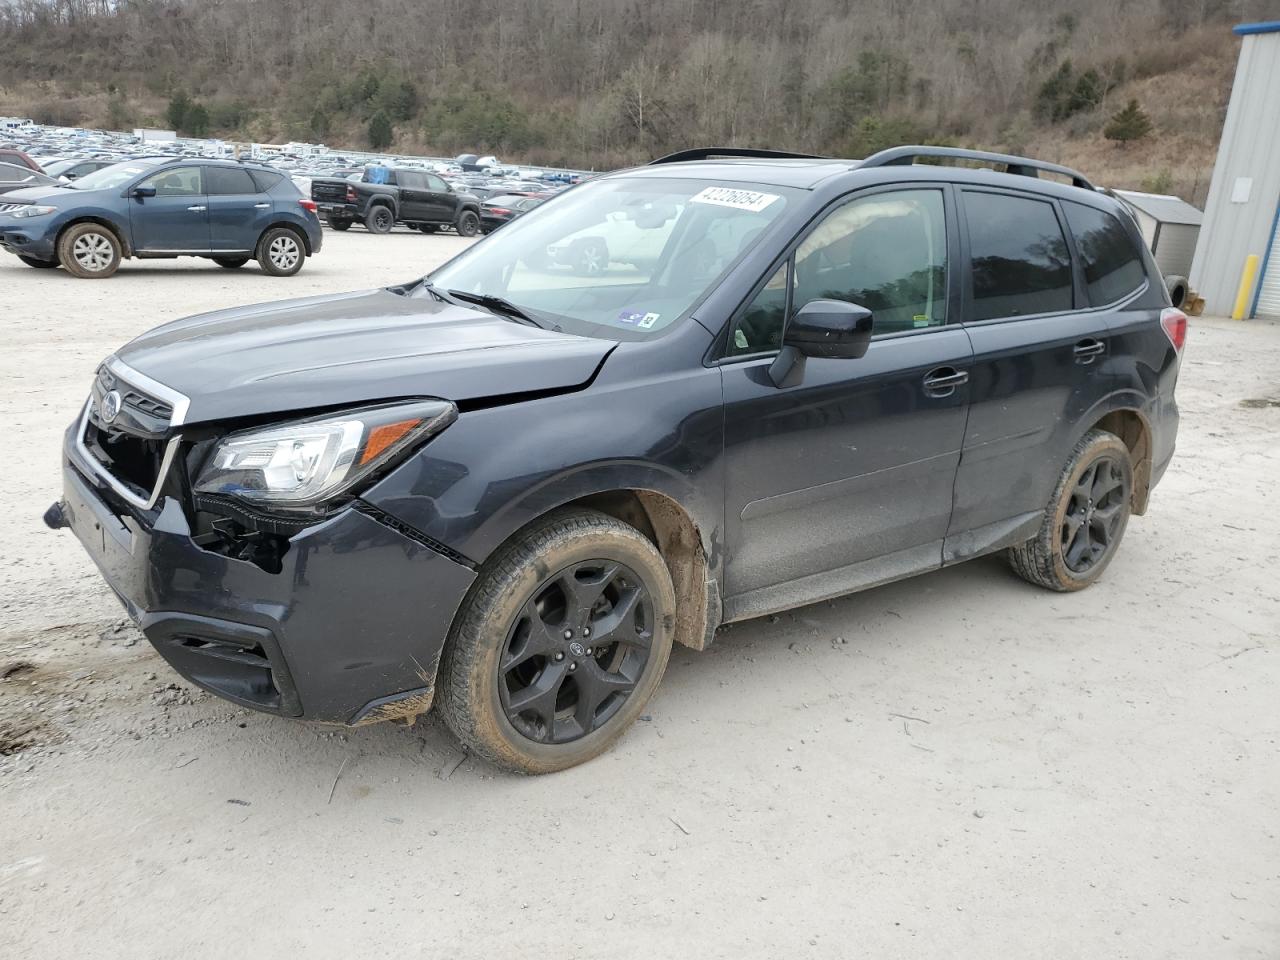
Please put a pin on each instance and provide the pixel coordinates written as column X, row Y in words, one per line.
column 499, row 305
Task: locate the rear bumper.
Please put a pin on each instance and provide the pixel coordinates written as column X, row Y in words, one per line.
column 349, row 631
column 328, row 209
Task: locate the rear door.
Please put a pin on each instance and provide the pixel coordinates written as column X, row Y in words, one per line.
column 1040, row 363
column 176, row 219
column 238, row 211
column 415, row 201
column 846, row 476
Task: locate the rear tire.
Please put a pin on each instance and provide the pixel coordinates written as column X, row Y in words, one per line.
column 1084, row 520
column 39, row 264
column 468, row 224
column 231, row 263
column 519, row 692
column 428, row 227
column 89, row 251
column 380, row 219
column 280, row 252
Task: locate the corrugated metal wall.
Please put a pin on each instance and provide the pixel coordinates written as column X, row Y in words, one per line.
column 1269, row 295
column 1250, row 149
column 1176, row 248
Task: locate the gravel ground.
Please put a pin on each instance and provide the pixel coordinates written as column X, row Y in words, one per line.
column 957, row 766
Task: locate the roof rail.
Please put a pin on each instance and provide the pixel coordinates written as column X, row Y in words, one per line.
column 711, row 153
column 1019, row 166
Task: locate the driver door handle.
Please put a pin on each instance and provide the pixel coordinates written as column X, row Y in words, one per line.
column 196, row 209
column 942, row 381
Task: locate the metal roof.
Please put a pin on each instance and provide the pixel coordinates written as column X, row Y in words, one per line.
column 1162, row 207
column 1267, row 26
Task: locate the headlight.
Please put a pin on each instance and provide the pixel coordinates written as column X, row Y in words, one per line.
column 26, row 213
column 303, row 464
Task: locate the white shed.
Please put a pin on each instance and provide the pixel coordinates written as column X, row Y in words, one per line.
column 1170, row 226
column 1243, row 209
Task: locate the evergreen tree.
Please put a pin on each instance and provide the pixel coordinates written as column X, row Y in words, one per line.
column 176, row 114
column 196, row 121
column 380, row 132
column 1131, row 123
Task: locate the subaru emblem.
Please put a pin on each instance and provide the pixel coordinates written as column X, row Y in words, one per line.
column 110, row 406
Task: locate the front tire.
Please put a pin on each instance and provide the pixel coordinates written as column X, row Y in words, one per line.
column 1084, row 520
column 39, row 264
column 89, row 251
column 560, row 644
column 380, row 219
column 468, row 224
column 280, row 252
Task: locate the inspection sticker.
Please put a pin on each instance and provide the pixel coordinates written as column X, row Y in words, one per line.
column 738, row 199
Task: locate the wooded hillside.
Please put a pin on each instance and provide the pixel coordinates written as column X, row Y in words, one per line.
column 599, row 83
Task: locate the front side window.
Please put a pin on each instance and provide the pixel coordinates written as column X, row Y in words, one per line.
column 116, row 175
column 436, row 185
column 176, row 182
column 622, row 258
column 886, row 252
column 1112, row 266
column 1021, row 266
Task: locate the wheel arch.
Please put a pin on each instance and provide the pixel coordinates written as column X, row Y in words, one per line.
column 287, row 225
column 1132, row 427
column 672, row 529
column 121, row 235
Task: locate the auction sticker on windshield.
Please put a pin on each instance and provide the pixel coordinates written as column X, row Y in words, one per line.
column 738, row 199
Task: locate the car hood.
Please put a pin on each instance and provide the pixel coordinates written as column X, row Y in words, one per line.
column 354, row 348
column 43, row 194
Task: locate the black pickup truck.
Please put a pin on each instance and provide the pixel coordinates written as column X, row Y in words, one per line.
column 416, row 198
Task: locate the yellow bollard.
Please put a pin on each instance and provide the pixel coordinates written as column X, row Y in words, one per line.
column 1246, row 286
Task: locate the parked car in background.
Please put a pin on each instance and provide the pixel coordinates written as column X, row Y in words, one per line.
column 501, row 210
column 508, row 491
column 385, row 196
column 19, row 158
column 14, row 177
column 152, row 208
column 75, row 169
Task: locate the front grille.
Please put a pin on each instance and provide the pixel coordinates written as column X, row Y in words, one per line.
column 131, row 450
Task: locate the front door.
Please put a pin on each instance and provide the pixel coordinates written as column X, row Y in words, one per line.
column 441, row 199
column 845, row 478
column 176, row 219
column 415, row 202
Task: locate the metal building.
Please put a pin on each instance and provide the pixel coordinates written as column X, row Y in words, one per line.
column 1170, row 226
column 1240, row 217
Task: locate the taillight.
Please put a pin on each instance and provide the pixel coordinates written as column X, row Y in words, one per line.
column 1174, row 322
column 308, row 205
column 502, row 210
column 351, row 194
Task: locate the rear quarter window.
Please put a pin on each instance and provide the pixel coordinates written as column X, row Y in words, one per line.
column 265, row 179
column 1113, row 267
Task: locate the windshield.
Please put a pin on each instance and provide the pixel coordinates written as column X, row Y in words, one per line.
column 116, row 175
column 620, row 258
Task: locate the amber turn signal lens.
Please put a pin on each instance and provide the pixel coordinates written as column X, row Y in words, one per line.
column 384, row 436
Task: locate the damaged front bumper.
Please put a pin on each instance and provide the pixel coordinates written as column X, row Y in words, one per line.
column 349, row 630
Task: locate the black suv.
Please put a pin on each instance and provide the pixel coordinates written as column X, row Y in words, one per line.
column 385, row 196
column 508, row 489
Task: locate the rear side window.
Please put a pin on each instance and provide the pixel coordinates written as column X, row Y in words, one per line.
column 265, row 179
column 228, row 180
column 1112, row 266
column 411, row 179
column 1019, row 255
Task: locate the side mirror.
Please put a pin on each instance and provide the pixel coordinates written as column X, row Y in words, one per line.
column 143, row 192
column 833, row 329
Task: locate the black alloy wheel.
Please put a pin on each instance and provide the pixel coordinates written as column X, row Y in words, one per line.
column 576, row 651
column 1094, row 514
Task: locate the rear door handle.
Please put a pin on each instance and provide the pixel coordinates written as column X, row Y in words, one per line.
column 196, row 209
column 261, row 206
column 1088, row 350
column 942, row 381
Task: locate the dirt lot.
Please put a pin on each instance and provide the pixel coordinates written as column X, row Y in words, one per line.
column 956, row 766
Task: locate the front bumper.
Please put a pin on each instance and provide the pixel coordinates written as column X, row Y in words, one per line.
column 349, row 631
column 28, row 238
